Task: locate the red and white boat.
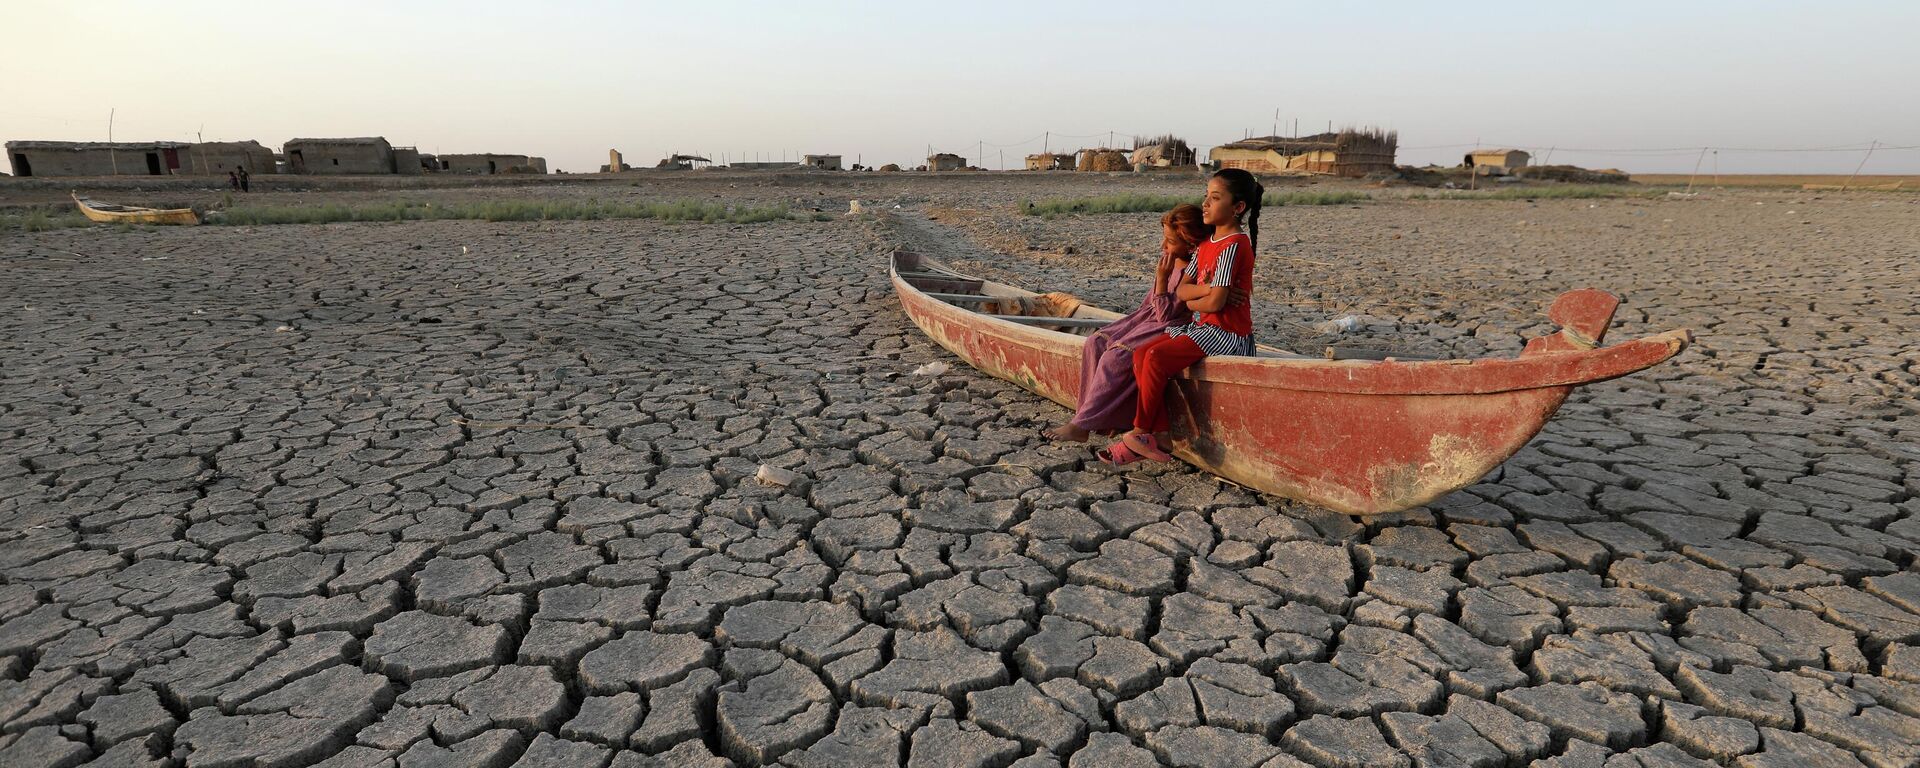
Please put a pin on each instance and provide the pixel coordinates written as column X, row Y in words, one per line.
column 1357, row 436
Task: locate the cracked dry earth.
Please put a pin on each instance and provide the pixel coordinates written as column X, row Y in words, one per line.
column 343, row 496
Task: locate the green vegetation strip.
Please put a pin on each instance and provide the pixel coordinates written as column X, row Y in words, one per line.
column 40, row 221
column 1138, row 203
column 1569, row 192
column 511, row 210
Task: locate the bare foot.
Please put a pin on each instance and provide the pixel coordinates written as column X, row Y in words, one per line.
column 1065, row 433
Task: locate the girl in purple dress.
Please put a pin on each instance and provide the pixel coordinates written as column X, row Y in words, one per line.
column 1107, row 387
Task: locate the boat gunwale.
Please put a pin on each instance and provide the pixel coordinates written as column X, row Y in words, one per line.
column 1387, row 378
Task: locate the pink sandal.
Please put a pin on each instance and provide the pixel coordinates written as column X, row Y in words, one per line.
column 1117, row 455
column 1146, row 445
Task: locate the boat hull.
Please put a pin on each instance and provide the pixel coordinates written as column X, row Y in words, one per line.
column 1359, row 437
column 137, row 215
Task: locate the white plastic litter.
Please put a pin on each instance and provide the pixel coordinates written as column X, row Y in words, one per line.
column 775, row 476
column 934, row 368
column 283, row 329
column 1340, row 324
column 853, row 207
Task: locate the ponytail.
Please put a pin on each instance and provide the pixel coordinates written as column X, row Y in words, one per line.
column 1253, row 216
column 1246, row 189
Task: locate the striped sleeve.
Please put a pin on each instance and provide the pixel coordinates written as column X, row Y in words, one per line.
column 1223, row 267
column 1193, row 266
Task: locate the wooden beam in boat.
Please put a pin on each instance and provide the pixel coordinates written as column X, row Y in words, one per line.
column 967, row 297
column 1351, row 353
column 1063, row 322
column 959, row 285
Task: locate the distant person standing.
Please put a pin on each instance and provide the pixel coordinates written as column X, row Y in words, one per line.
column 233, row 179
column 245, row 186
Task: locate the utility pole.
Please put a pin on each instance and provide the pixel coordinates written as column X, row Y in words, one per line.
column 1047, row 144
column 1863, row 163
column 112, row 158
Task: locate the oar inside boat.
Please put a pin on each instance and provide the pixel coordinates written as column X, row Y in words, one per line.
column 1058, row 311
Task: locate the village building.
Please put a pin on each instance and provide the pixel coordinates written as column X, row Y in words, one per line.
column 487, row 164
column 407, row 161
column 1161, row 152
column 1050, row 161
column 339, row 156
column 96, row 158
column 1496, row 162
column 1352, row 153
column 1104, row 159
column 219, row 158
column 614, row 163
column 945, row 161
column 821, row 162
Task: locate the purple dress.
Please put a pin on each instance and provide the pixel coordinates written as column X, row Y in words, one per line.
column 1107, row 386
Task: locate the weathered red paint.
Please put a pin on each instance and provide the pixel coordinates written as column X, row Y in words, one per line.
column 1357, row 436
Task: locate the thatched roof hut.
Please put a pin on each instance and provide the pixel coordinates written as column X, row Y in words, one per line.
column 1104, row 159
column 1161, row 152
column 1351, row 152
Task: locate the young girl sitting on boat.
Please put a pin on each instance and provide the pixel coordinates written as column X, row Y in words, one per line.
column 1107, row 384
column 1221, row 266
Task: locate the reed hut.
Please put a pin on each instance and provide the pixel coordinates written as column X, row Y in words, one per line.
column 98, row 158
column 1496, row 162
column 1104, row 159
column 945, row 161
column 1351, row 152
column 1161, row 152
column 1050, row 161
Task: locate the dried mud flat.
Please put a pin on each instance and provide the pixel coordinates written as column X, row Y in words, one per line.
column 352, row 495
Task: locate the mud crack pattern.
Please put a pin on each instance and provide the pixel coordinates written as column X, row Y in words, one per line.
column 341, row 496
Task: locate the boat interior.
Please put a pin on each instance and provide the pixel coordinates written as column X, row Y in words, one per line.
column 1060, row 312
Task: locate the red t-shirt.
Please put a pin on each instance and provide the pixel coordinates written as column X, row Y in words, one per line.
column 1227, row 261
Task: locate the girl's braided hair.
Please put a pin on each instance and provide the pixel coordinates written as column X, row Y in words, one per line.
column 1245, row 189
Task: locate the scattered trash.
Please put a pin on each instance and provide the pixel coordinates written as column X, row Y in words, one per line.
column 199, row 311
column 283, row 329
column 463, row 250
column 934, row 368
column 1340, row 324
column 853, row 207
column 775, row 476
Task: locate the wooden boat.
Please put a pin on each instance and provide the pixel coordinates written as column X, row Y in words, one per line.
column 1893, row 187
column 108, row 213
column 1357, row 436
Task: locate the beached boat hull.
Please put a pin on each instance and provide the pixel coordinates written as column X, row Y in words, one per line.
column 126, row 214
column 1357, row 436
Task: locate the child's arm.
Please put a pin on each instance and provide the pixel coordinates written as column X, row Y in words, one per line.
column 1168, row 266
column 1213, row 298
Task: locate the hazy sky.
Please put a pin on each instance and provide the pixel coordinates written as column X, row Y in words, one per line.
column 879, row 82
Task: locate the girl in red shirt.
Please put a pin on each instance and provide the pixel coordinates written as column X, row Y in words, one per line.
column 1221, row 266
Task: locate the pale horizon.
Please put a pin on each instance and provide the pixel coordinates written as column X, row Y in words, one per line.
column 1642, row 88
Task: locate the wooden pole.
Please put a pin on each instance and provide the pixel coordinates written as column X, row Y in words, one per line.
column 1696, row 168
column 1863, row 163
column 112, row 158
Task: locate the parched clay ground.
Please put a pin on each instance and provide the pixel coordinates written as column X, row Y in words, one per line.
column 458, row 493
